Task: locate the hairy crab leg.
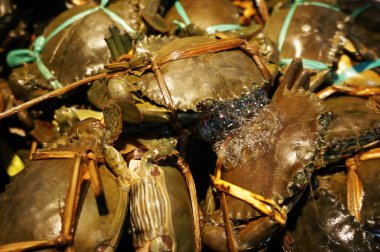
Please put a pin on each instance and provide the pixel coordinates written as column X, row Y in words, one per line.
column 354, row 183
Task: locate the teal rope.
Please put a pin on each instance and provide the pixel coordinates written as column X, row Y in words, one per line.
column 360, row 10
column 352, row 71
column 307, row 63
column 18, row 57
column 285, row 27
column 222, row 28
column 311, row 64
column 181, row 11
column 324, row 5
column 210, row 30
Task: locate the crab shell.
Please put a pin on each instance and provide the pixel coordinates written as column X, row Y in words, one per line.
column 273, row 154
column 211, row 77
column 77, row 51
column 315, row 33
column 369, row 173
column 32, row 204
column 354, row 125
column 324, row 224
column 204, row 14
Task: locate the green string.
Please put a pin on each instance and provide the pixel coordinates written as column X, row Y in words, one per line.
column 222, row 28
column 18, row 57
column 210, row 30
column 284, row 30
column 352, row 71
column 360, row 10
column 181, row 11
column 307, row 63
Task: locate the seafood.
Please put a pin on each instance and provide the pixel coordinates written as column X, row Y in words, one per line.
column 58, row 61
column 312, row 30
column 48, row 205
column 189, row 75
column 267, row 164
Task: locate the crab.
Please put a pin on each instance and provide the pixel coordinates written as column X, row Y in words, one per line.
column 319, row 40
column 267, row 164
column 324, row 223
column 46, row 217
column 188, row 75
column 58, row 61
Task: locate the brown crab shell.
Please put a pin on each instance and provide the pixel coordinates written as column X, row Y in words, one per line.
column 77, row 51
column 267, row 154
column 314, row 33
column 31, row 206
column 204, row 14
column 352, row 117
column 324, row 224
column 217, row 76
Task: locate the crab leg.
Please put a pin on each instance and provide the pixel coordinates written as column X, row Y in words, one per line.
column 354, row 183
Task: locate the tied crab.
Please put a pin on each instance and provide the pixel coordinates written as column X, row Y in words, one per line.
column 57, row 211
column 264, row 167
column 55, row 58
column 319, row 40
column 188, row 75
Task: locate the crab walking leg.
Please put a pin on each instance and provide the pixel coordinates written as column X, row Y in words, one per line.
column 354, row 183
column 194, row 202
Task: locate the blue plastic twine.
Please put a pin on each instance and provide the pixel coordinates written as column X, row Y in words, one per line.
column 18, row 57
column 352, row 71
column 311, row 64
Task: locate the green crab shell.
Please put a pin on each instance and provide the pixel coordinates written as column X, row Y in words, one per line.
column 219, row 76
column 310, row 34
column 351, row 117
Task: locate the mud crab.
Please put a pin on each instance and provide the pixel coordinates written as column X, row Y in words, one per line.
column 324, row 223
column 318, row 41
column 286, row 133
column 57, row 61
column 64, row 166
column 58, row 212
column 189, row 75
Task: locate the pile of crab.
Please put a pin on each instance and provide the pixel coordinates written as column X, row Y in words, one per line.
column 183, row 125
